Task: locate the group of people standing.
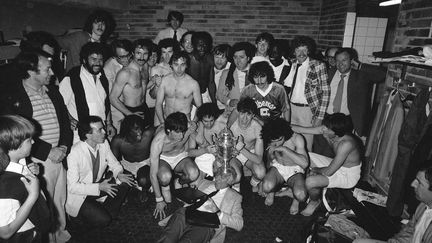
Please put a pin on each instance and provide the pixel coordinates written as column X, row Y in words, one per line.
column 146, row 115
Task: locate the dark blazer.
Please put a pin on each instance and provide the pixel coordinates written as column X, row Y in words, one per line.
column 15, row 100
column 359, row 97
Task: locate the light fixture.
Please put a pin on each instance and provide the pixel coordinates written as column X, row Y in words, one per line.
column 390, row 2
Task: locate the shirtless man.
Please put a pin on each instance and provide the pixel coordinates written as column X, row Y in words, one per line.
column 342, row 171
column 168, row 153
column 129, row 89
column 201, row 144
column 132, row 148
column 177, row 89
column 288, row 161
column 250, row 145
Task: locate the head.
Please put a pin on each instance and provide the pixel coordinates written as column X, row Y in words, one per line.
column 166, row 48
column 39, row 41
column 303, row 46
column 176, row 124
column 330, row 56
column 343, row 60
column 207, row 113
column 337, row 124
column 34, row 66
column 242, row 53
column 422, row 184
column 16, row 138
column 220, row 55
column 141, row 51
column 122, row 50
column 263, row 43
column 99, row 23
column 92, row 130
column 202, row 43
column 154, row 57
column 92, row 57
column 247, row 109
column 186, row 41
column 132, row 128
column 224, row 179
column 261, row 74
column 179, row 62
column 175, row 19
column 276, row 137
column 277, row 51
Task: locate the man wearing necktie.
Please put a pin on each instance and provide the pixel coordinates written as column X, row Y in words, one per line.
column 419, row 228
column 310, row 91
column 223, row 200
column 91, row 196
column 175, row 31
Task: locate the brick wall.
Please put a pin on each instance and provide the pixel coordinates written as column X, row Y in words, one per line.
column 412, row 30
column 332, row 22
column 227, row 21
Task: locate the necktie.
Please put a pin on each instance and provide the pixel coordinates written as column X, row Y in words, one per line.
column 337, row 103
column 95, row 163
column 294, row 79
column 175, row 35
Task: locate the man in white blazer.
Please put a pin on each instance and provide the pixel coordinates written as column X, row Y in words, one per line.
column 91, row 197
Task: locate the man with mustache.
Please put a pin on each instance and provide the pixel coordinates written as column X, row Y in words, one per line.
column 129, row 88
column 85, row 89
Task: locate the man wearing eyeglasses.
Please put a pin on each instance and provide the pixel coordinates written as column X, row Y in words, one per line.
column 129, row 88
column 122, row 50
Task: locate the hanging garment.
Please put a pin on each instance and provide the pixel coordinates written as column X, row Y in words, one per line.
column 376, row 125
column 408, row 139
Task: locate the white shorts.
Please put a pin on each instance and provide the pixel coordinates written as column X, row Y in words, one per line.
column 133, row 167
column 174, row 160
column 343, row 178
column 243, row 158
column 205, row 163
column 287, row 171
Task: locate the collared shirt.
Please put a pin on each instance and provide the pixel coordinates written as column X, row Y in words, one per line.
column 217, row 75
column 264, row 92
column 259, row 59
column 298, row 94
column 241, row 75
column 422, row 225
column 169, row 33
column 278, row 70
column 333, row 90
column 94, row 93
column 9, row 207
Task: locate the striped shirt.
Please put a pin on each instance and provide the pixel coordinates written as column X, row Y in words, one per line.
column 44, row 113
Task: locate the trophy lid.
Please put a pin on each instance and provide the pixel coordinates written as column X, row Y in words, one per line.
column 226, row 132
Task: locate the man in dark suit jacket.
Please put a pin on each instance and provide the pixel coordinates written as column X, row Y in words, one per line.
column 36, row 100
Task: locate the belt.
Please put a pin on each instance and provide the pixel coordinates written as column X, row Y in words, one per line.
column 300, row 105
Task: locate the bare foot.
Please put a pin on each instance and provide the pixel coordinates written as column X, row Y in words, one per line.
column 269, row 199
column 294, row 207
column 285, row 193
column 311, row 207
column 166, row 193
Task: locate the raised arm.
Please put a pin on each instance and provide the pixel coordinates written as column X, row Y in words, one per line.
column 119, row 83
column 342, row 153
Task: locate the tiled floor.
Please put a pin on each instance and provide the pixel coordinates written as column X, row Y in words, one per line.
column 261, row 223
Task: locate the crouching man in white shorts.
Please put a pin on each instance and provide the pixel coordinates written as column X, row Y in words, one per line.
column 288, row 161
column 342, row 171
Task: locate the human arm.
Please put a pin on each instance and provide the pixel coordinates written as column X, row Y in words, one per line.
column 160, row 97
column 115, row 147
column 31, row 183
column 256, row 156
column 299, row 156
column 233, row 219
column 286, row 109
column 197, row 95
column 204, row 148
column 155, row 152
column 117, row 90
column 342, row 152
column 308, row 130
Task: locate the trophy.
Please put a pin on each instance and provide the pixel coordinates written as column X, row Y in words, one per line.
column 225, row 144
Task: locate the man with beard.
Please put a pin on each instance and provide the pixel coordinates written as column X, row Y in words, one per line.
column 129, row 89
column 85, row 89
column 201, row 63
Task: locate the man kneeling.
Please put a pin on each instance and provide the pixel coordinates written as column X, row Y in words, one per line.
column 288, row 161
column 168, row 152
column 225, row 201
column 86, row 186
column 343, row 171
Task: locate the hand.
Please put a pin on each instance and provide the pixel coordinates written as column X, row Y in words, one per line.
column 34, row 168
column 126, row 178
column 160, row 210
column 212, row 149
column 318, row 170
column 157, row 79
column 139, row 113
column 240, row 143
column 57, row 154
column 111, row 131
column 233, row 102
column 109, row 188
column 31, row 183
column 192, row 126
column 355, row 64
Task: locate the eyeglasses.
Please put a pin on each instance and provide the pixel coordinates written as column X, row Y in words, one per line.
column 124, row 57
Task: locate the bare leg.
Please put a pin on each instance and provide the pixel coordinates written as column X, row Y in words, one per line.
column 269, row 182
column 258, row 173
column 188, row 171
column 314, row 184
column 164, row 177
column 297, row 183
